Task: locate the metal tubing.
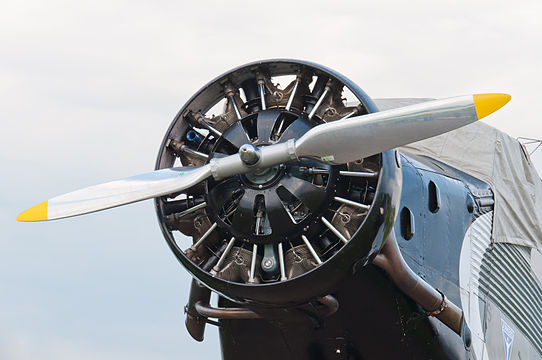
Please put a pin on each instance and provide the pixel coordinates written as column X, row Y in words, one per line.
column 281, row 263
column 312, row 171
column 262, row 94
column 362, row 174
column 234, row 104
column 191, row 210
column 391, row 260
column 311, row 249
column 253, row 263
column 279, row 130
column 351, row 203
column 334, row 230
column 194, row 152
column 204, row 309
column 348, row 115
column 218, row 265
column 330, row 303
column 194, row 247
column 194, row 322
column 199, row 119
column 209, row 127
column 292, row 94
column 258, row 223
column 313, row 111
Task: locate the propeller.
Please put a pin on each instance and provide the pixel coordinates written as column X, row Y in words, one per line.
column 336, row 142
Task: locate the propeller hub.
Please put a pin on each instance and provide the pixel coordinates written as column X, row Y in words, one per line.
column 249, row 154
column 269, row 205
column 263, row 177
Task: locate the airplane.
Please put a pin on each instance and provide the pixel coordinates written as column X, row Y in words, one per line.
column 335, row 226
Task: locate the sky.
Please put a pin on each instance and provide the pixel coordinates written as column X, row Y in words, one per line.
column 88, row 89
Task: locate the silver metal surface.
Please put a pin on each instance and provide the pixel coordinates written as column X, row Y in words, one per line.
column 312, row 171
column 352, row 203
column 279, row 130
column 359, row 137
column 234, row 104
column 195, row 152
column 281, row 263
column 334, row 230
column 223, row 257
column 253, row 263
column 125, row 191
column 358, row 174
column 311, row 249
column 258, row 225
column 317, row 105
column 200, row 241
column 291, row 98
column 269, row 155
column 348, row 115
column 191, row 210
column 209, row 127
column 249, row 154
column 262, row 94
column 370, row 134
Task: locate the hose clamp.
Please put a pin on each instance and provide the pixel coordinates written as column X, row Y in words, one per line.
column 443, row 305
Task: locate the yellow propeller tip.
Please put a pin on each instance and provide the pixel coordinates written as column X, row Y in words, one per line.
column 35, row 213
column 486, row 104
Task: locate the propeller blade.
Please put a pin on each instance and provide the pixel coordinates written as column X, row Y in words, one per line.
column 337, row 142
column 116, row 193
column 350, row 139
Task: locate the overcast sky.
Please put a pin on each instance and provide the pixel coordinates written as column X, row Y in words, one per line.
column 88, row 89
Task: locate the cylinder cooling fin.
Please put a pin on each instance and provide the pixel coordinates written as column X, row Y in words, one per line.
column 288, row 233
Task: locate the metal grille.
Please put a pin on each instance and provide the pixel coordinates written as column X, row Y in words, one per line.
column 507, row 279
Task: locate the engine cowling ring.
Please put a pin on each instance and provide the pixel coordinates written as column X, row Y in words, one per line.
column 364, row 242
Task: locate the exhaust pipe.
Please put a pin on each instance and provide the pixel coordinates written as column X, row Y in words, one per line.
column 432, row 300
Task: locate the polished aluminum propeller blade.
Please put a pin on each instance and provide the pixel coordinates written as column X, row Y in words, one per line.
column 116, row 193
column 347, row 140
column 336, row 143
column 342, row 141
